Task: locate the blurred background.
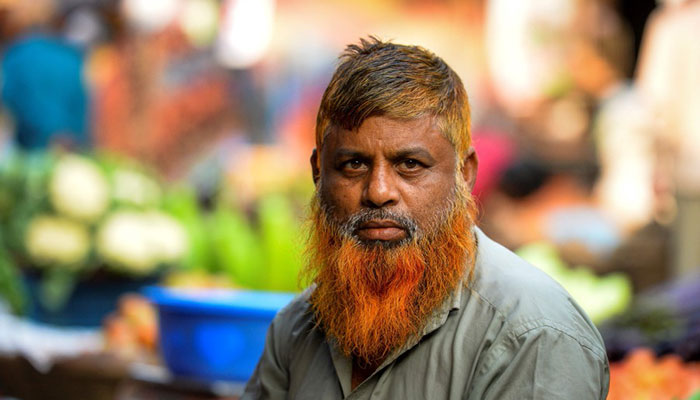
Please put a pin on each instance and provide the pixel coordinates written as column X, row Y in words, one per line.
column 166, row 142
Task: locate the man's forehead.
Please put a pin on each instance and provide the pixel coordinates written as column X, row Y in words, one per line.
column 387, row 132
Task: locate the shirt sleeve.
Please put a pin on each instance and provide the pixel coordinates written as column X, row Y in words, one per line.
column 270, row 379
column 542, row 363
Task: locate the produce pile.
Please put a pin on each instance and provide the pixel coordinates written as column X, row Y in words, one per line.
column 260, row 249
column 643, row 376
column 132, row 330
column 601, row 297
column 67, row 216
column 665, row 319
column 249, row 232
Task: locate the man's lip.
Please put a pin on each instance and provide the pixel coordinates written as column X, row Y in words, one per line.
column 385, row 230
column 378, row 224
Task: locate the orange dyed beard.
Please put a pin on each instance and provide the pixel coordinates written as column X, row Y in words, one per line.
column 371, row 299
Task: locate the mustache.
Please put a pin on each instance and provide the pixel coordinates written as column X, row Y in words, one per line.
column 348, row 227
column 351, row 225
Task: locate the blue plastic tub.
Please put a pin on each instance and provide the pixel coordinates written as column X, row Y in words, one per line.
column 214, row 334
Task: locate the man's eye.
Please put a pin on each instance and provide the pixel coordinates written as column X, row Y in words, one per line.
column 410, row 164
column 353, row 165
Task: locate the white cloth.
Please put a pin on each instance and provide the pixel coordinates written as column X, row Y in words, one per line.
column 43, row 345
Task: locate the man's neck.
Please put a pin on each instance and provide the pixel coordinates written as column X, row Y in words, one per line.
column 361, row 371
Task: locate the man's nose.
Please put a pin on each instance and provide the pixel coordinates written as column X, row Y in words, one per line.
column 380, row 189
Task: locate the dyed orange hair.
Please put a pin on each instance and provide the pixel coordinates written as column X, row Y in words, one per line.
column 376, row 78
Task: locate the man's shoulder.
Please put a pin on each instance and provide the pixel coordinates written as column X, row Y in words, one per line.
column 525, row 299
column 297, row 313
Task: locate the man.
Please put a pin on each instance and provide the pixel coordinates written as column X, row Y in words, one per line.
column 410, row 300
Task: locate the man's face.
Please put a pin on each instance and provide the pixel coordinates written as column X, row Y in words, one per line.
column 393, row 187
column 386, row 170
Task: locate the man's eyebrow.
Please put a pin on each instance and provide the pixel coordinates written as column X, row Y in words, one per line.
column 414, row 152
column 410, row 152
column 349, row 153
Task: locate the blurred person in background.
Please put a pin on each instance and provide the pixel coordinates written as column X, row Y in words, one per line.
column 42, row 78
column 409, row 299
column 668, row 77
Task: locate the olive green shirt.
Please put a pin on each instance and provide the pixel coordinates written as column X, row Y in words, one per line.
column 511, row 333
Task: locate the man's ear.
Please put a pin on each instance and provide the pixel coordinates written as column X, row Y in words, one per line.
column 470, row 164
column 315, row 171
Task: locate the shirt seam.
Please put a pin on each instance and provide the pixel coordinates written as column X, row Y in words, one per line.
column 582, row 341
column 544, row 323
column 480, row 297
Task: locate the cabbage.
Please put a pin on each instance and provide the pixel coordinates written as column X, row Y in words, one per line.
column 167, row 236
column 138, row 242
column 57, row 241
column 135, row 188
column 78, row 188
